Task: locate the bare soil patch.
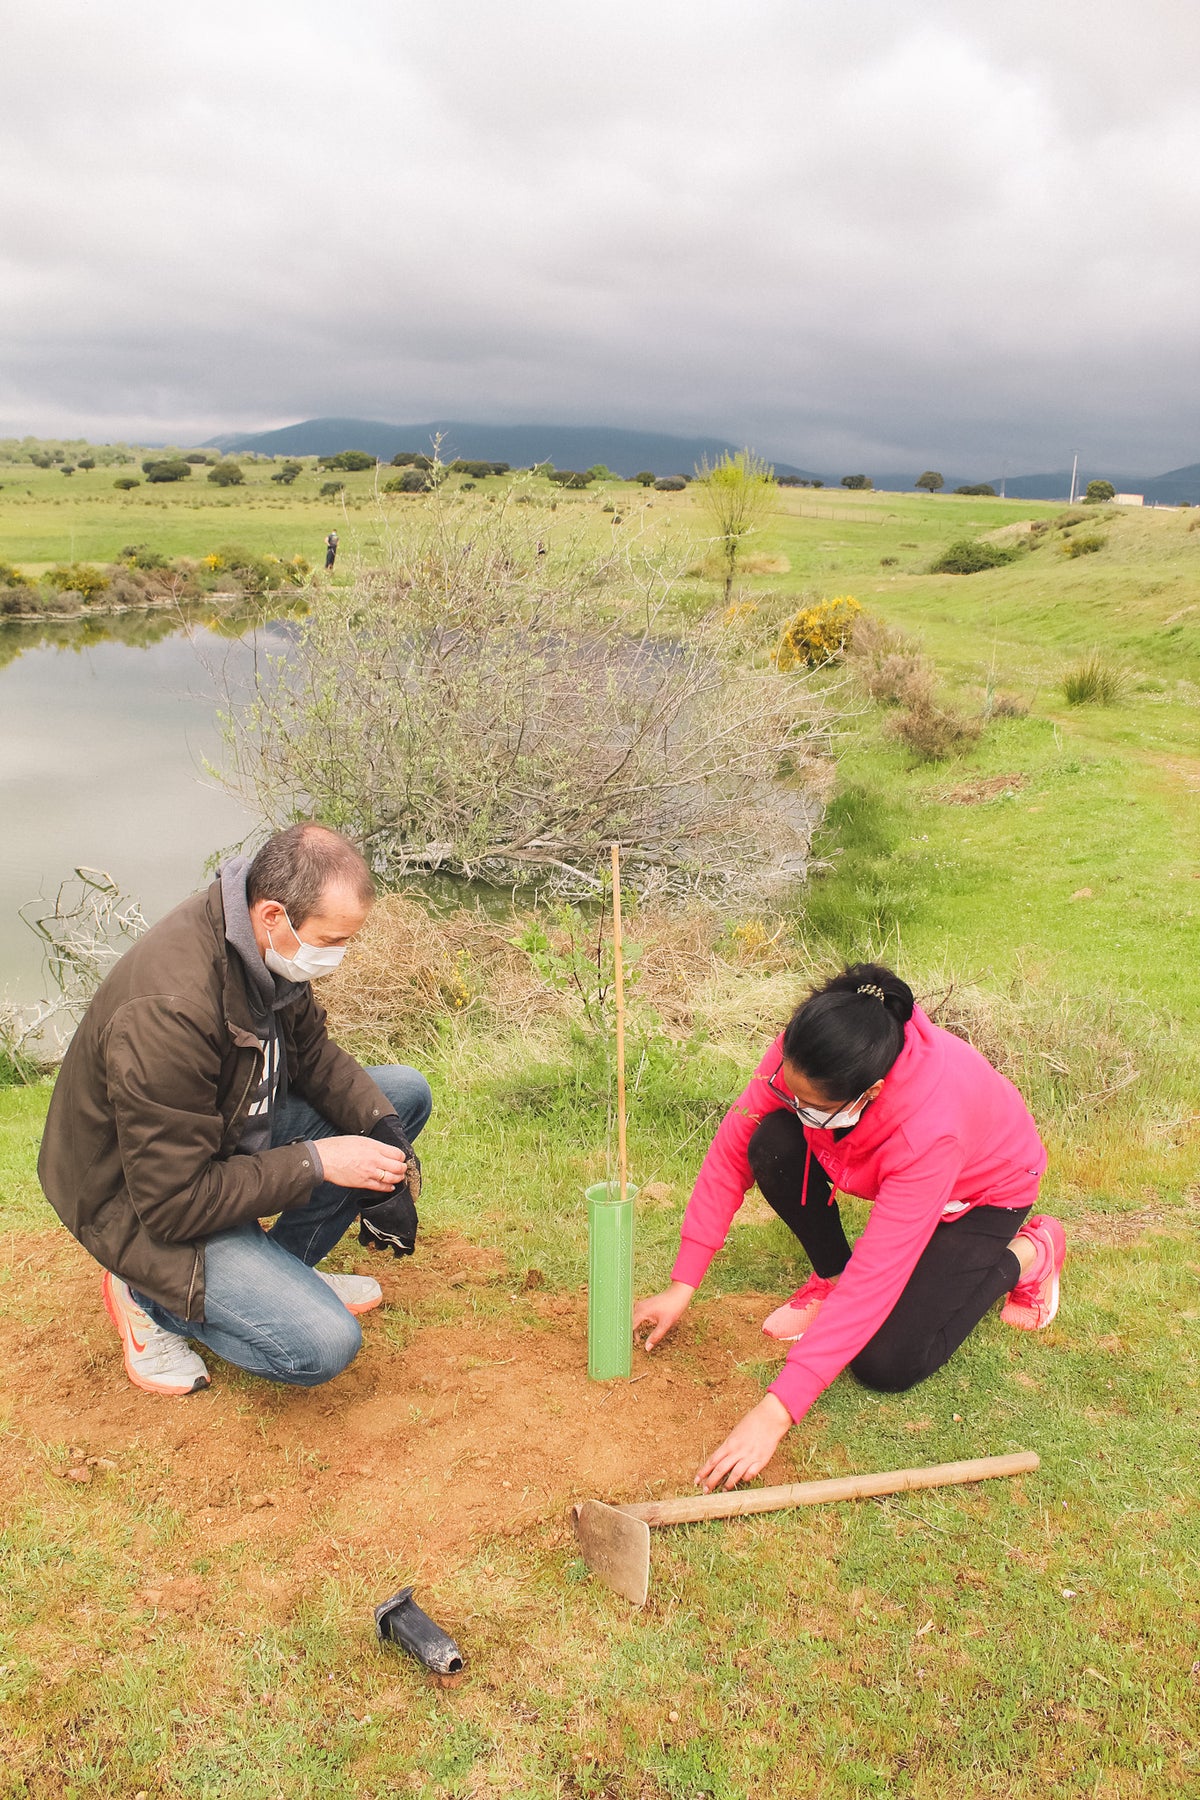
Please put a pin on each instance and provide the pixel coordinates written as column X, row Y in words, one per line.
column 984, row 787
column 467, row 1415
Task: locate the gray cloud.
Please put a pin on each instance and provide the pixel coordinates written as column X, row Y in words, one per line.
column 848, row 235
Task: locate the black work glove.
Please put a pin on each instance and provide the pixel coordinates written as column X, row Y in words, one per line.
column 391, row 1223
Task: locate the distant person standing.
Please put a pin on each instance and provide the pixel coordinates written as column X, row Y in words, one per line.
column 331, row 544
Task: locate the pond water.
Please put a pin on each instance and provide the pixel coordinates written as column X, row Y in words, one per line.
column 104, row 731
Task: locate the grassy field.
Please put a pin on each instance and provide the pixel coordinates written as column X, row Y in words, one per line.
column 193, row 1618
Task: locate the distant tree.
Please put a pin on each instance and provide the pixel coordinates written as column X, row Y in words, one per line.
column 570, row 478
column 67, row 469
column 288, row 473
column 501, row 468
column 422, row 462
column 41, row 460
column 413, row 481
column 542, row 468
column 601, row 472
column 669, row 484
column 818, row 483
column 1097, row 492
column 646, row 477
column 857, row 481
column 227, row 474
column 404, row 458
column 197, row 458
column 86, row 462
column 126, row 481
column 350, row 460
column 167, row 468
column 329, row 488
column 736, row 492
column 931, row 480
column 983, row 489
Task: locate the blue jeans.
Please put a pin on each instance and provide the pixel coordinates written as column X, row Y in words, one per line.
column 264, row 1309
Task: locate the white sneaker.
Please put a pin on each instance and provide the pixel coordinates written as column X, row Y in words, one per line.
column 357, row 1293
column 158, row 1361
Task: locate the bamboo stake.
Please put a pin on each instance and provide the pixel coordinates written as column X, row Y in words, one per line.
column 619, row 985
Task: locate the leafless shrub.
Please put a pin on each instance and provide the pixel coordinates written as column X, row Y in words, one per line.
column 83, row 930
column 934, row 732
column 889, row 666
column 481, row 707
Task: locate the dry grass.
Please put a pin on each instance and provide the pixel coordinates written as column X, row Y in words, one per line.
column 412, row 973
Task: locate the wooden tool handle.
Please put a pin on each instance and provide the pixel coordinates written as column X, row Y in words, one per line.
column 690, row 1508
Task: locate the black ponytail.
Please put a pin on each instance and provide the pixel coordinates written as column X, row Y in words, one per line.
column 846, row 1035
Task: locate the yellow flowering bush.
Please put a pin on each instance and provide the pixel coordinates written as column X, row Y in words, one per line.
column 817, row 633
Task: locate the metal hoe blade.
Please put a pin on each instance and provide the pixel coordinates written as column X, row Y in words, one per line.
column 615, row 1547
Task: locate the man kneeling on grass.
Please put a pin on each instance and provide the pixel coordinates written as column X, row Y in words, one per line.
column 201, row 1095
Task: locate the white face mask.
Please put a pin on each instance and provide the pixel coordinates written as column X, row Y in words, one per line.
column 841, row 1120
column 310, row 962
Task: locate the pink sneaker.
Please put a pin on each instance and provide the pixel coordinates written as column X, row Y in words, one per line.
column 1034, row 1301
column 793, row 1318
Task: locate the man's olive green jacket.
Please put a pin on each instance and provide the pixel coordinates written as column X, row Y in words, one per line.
column 138, row 1155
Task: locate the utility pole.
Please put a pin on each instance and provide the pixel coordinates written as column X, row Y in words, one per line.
column 1074, row 472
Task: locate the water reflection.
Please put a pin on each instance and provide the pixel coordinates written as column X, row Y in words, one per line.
column 103, row 753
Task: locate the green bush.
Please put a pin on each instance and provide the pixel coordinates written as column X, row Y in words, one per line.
column 1093, row 682
column 1085, row 545
column 19, row 600
column 168, row 468
column 857, row 481
column 140, row 556
column 404, row 458
column 87, row 462
column 126, row 482
column 329, row 488
column 1098, row 492
column 571, row 478
column 197, row 458
column 932, row 480
column 227, row 474
column 288, row 473
column 646, row 477
column 967, row 556
column 10, row 576
column 413, row 481
column 670, row 484
column 983, row 489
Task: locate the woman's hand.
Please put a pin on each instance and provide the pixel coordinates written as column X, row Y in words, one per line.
column 661, row 1311
column 748, row 1448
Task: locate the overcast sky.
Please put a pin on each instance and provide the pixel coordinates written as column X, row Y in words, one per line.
column 864, row 235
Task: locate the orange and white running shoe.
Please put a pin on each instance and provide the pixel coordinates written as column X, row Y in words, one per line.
column 357, row 1293
column 793, row 1318
column 158, row 1361
column 1034, row 1301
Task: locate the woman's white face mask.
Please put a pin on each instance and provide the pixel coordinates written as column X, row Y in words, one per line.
column 841, row 1120
column 309, row 962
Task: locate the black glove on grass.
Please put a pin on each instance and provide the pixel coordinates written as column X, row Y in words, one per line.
column 391, row 1223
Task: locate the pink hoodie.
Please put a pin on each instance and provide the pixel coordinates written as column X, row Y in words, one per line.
column 946, row 1133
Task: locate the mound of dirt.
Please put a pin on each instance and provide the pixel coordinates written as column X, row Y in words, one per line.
column 468, row 1414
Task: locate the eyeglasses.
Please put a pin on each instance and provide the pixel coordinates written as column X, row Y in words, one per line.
column 808, row 1115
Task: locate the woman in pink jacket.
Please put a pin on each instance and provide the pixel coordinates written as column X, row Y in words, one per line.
column 863, row 1093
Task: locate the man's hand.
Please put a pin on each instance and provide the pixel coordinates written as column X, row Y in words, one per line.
column 362, row 1162
column 661, row 1311
column 748, row 1448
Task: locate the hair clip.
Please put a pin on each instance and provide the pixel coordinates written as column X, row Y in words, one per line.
column 870, row 988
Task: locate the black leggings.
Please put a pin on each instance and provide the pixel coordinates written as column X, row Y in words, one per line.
column 963, row 1270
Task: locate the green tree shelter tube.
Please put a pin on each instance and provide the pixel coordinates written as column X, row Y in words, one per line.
column 610, row 1280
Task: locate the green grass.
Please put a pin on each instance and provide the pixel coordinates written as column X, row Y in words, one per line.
column 996, row 1641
